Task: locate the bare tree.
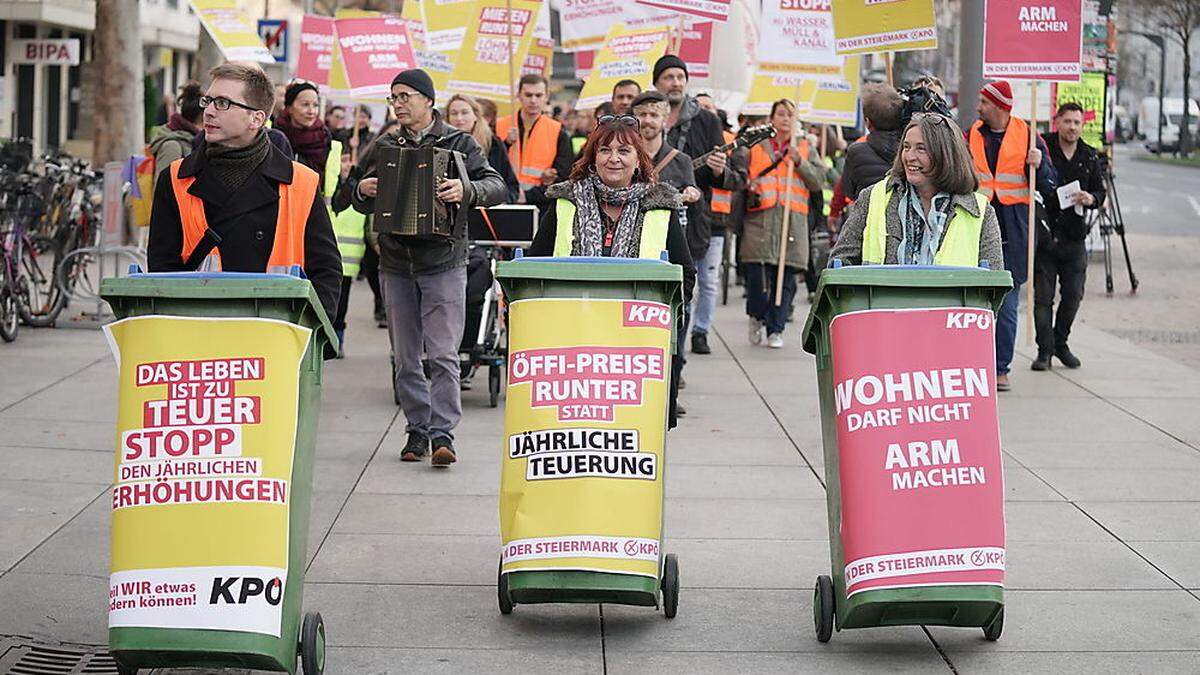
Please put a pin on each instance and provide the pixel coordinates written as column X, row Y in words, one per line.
column 118, row 64
column 1177, row 20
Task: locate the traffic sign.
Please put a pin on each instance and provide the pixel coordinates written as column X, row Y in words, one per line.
column 274, row 33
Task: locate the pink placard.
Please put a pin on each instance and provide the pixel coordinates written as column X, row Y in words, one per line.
column 919, row 448
column 374, row 51
column 696, row 47
column 1026, row 40
column 316, row 49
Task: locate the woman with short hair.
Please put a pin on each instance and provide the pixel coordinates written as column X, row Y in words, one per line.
column 300, row 120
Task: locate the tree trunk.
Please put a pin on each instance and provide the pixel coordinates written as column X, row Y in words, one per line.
column 1185, row 127
column 119, row 66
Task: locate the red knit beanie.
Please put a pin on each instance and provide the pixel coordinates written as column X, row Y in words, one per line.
column 1000, row 93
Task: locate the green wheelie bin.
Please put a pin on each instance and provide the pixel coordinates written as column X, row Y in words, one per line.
column 906, row 377
column 213, row 484
column 590, row 345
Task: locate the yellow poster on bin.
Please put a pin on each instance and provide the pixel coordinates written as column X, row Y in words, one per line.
column 585, row 424
column 201, row 496
column 873, row 26
column 233, row 31
column 628, row 54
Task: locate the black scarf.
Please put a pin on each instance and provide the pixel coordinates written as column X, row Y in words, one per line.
column 233, row 166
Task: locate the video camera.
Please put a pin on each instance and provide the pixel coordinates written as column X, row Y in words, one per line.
column 921, row 100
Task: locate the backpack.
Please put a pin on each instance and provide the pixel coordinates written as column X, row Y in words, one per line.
column 141, row 196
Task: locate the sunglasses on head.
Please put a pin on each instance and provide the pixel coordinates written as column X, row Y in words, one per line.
column 936, row 118
column 619, row 121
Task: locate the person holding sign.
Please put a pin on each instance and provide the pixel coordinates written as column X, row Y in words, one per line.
column 613, row 206
column 926, row 210
column 1001, row 150
column 1061, row 256
column 220, row 209
column 781, row 176
column 538, row 146
column 424, row 277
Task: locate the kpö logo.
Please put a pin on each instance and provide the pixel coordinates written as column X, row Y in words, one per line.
column 980, row 320
column 239, row 590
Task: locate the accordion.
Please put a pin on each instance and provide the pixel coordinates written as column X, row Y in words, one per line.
column 406, row 202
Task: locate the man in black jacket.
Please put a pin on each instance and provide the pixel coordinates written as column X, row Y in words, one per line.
column 233, row 182
column 868, row 160
column 425, row 277
column 1061, row 256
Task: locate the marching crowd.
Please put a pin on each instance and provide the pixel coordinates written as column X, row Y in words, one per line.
column 253, row 178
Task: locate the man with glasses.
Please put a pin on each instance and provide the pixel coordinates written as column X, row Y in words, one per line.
column 220, row 210
column 424, row 278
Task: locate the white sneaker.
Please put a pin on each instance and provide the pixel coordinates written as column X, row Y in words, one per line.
column 757, row 331
column 775, row 341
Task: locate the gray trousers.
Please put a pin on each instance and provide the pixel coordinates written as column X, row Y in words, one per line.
column 425, row 316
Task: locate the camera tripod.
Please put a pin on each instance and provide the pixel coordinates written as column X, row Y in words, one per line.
column 1108, row 220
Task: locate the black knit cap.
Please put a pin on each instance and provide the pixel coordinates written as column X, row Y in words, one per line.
column 649, row 96
column 669, row 61
column 293, row 90
column 417, row 79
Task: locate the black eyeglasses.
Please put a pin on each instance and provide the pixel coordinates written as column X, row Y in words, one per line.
column 402, row 97
column 619, row 121
column 222, row 103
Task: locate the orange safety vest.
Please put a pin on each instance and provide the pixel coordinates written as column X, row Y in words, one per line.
column 536, row 152
column 722, row 200
column 773, row 183
column 1010, row 183
column 295, row 202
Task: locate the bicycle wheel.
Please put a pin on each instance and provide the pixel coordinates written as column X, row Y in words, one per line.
column 9, row 320
column 41, row 298
column 80, row 272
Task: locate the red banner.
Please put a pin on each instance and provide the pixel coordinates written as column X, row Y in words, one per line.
column 696, row 47
column 713, row 10
column 919, row 448
column 374, row 50
column 316, row 49
column 583, row 63
column 1033, row 40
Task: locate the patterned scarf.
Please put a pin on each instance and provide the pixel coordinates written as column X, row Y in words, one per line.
column 589, row 194
column 921, row 233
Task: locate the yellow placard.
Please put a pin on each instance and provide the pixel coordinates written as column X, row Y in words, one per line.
column 202, row 480
column 446, row 23
column 768, row 88
column 581, row 485
column 627, row 54
column 872, row 26
column 233, row 31
column 483, row 67
column 822, row 102
column 439, row 65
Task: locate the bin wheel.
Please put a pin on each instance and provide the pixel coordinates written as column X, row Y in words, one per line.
column 992, row 633
column 823, row 605
column 494, row 386
column 670, row 586
column 502, row 597
column 312, row 644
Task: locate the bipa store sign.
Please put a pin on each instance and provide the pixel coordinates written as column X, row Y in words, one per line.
column 45, row 52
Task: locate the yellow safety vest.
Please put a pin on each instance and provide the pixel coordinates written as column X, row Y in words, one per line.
column 349, row 225
column 654, row 231
column 960, row 242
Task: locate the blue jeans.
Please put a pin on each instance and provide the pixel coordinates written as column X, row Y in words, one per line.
column 1006, row 330
column 760, row 295
column 708, row 273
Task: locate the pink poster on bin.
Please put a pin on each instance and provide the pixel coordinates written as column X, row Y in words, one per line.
column 316, row 49
column 919, row 448
column 374, row 50
column 1025, row 40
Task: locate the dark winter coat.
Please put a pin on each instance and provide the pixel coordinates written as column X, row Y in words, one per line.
column 868, row 161
column 1084, row 166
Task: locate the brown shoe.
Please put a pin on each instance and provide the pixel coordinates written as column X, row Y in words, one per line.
column 1002, row 383
column 443, row 453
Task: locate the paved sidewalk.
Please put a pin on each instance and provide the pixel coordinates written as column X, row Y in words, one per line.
column 1101, row 465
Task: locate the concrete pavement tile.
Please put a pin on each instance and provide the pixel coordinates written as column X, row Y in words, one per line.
column 58, row 434
column 1079, row 565
column 450, row 617
column 715, row 428
column 420, row 514
column 690, row 663
column 1022, row 485
column 348, row 418
column 323, row 512
column 1179, row 559
column 803, row 519
column 1032, row 420
column 67, row 466
column 1093, row 663
column 1176, row 416
column 1028, row 385
column 81, row 547
column 1070, row 621
column 1050, row 522
column 30, row 511
column 749, row 563
column 1148, row 385
column 1148, row 521
column 721, row 450
column 97, row 385
column 744, row 620
column 474, row 474
column 342, row 444
column 55, row 607
column 1132, row 484
column 41, row 358
column 1165, row 454
column 386, row 661
column 408, row 559
column 742, row 482
column 336, row 475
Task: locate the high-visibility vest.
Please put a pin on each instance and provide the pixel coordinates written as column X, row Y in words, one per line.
column 654, row 231
column 772, row 184
column 295, row 203
column 349, row 225
column 536, row 152
column 1009, row 183
column 827, row 190
column 722, row 200
column 577, row 143
column 960, row 242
